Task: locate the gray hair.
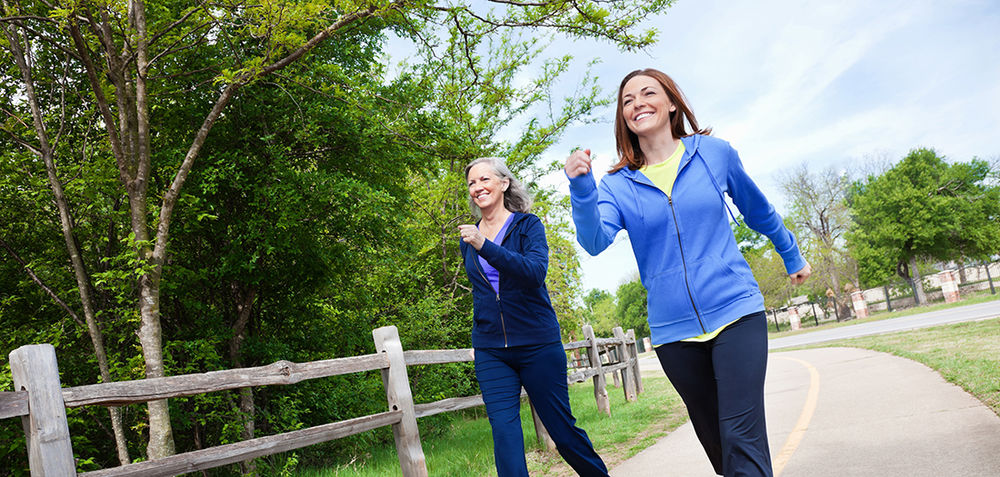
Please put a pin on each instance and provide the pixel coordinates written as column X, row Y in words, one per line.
column 515, row 199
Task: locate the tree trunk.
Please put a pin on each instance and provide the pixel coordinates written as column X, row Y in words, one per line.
column 161, row 436
column 244, row 309
column 918, row 283
column 46, row 152
column 838, row 298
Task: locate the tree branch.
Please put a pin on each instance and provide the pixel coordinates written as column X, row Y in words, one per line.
column 38, row 281
column 171, row 50
column 173, row 193
column 102, row 102
column 173, row 25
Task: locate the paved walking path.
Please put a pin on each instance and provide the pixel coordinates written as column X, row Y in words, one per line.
column 849, row 412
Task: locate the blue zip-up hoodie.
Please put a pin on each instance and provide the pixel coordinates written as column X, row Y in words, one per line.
column 521, row 313
column 696, row 279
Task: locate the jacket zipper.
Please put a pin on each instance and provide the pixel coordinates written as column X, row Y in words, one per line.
column 687, row 284
column 479, row 268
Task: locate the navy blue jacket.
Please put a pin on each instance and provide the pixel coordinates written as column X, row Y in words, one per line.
column 521, row 314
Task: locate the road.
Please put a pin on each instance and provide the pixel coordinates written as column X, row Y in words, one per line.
column 847, row 412
column 980, row 311
column 844, row 412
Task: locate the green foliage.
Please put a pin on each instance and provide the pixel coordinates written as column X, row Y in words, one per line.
column 631, row 307
column 563, row 277
column 923, row 208
column 765, row 263
column 322, row 204
column 599, row 310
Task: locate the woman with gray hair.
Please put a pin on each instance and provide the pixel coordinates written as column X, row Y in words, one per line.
column 515, row 333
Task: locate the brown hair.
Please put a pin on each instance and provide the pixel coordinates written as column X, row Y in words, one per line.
column 627, row 142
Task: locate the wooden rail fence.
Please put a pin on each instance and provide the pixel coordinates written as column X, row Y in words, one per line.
column 41, row 401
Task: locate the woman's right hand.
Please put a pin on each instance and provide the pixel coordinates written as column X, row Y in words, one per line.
column 578, row 163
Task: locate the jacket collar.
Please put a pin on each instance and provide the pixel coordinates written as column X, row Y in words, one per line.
column 517, row 217
column 691, row 144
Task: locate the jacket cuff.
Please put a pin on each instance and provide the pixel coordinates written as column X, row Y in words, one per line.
column 581, row 185
column 794, row 264
column 488, row 250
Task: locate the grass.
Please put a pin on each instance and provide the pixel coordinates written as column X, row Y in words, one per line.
column 467, row 448
column 809, row 326
column 965, row 354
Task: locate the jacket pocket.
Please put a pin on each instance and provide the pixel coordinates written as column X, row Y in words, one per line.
column 716, row 284
column 485, row 317
column 668, row 298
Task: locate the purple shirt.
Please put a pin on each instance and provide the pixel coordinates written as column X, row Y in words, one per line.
column 492, row 274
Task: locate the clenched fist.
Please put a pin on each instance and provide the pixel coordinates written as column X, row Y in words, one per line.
column 578, row 163
column 800, row 276
column 472, row 236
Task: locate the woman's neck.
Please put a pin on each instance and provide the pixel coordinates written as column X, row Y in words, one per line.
column 496, row 215
column 659, row 147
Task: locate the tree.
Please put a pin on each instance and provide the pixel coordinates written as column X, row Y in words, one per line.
column 819, row 211
column 125, row 63
column 631, row 309
column 599, row 311
column 765, row 263
column 563, row 276
column 922, row 208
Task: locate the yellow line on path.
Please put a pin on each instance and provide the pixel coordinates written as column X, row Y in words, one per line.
column 799, row 431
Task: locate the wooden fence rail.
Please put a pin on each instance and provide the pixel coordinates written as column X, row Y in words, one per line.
column 41, row 401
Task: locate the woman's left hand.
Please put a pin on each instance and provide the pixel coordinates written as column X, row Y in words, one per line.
column 472, row 236
column 800, row 276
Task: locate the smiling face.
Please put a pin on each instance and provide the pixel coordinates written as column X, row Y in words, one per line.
column 486, row 188
column 646, row 108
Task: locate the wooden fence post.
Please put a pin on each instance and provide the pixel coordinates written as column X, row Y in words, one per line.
column 624, row 355
column 614, row 356
column 540, row 432
column 397, row 393
column 600, row 391
column 50, row 452
column 634, row 354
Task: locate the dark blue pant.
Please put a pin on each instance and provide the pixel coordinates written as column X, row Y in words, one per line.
column 541, row 369
column 722, row 384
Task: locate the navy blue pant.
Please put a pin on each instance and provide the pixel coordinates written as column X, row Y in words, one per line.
column 541, row 369
column 722, row 384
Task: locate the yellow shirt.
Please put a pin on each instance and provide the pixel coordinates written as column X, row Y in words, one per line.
column 663, row 176
column 664, row 173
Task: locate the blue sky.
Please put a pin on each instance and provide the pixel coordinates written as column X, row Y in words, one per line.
column 816, row 83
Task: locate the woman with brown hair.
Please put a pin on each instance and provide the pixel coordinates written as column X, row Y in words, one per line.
column 705, row 310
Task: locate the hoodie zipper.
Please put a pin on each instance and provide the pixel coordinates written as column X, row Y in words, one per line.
column 687, row 283
column 479, row 268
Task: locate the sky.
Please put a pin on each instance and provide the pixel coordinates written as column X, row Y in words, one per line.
column 815, row 83
column 792, row 83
